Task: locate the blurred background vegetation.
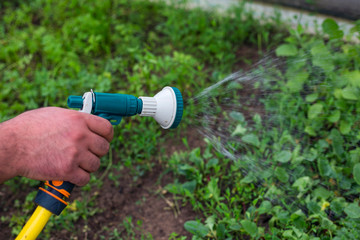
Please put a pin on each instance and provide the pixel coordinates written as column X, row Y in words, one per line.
column 52, row 49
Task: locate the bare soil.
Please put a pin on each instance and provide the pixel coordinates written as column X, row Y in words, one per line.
column 144, row 200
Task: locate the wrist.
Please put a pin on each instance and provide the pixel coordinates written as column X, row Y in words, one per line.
column 8, row 151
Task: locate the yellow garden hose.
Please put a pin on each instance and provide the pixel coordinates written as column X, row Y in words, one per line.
column 35, row 224
column 50, row 201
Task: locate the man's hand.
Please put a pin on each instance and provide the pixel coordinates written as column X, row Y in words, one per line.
column 53, row 144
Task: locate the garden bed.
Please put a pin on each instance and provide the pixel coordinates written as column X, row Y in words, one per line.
column 280, row 158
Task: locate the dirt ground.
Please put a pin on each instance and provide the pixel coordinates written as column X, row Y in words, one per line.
column 144, row 199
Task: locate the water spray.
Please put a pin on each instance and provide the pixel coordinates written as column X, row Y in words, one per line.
column 166, row 107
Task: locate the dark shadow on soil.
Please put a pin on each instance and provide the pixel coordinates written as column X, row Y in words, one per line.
column 7, row 200
column 142, row 200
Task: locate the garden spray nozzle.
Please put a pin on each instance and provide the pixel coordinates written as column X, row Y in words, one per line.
column 166, row 107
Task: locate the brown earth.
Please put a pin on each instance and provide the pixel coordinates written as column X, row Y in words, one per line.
column 144, row 200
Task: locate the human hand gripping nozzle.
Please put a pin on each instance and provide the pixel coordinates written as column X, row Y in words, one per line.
column 166, row 107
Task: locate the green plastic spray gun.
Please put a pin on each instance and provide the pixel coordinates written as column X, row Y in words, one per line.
column 166, row 107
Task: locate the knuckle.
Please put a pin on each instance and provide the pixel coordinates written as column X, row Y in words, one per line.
column 67, row 168
column 103, row 147
column 106, row 129
column 73, row 153
column 109, row 131
column 76, row 117
column 77, row 136
column 69, row 161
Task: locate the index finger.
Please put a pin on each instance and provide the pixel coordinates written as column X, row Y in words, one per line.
column 100, row 126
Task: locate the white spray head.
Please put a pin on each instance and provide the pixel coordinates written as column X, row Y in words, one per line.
column 166, row 107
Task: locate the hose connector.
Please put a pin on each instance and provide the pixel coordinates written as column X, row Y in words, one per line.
column 149, row 106
column 52, row 197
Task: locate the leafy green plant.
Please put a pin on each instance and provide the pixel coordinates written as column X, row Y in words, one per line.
column 305, row 169
column 128, row 230
column 295, row 176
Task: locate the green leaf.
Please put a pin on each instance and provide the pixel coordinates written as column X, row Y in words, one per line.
column 356, row 28
column 302, row 183
column 335, row 116
column 235, row 227
column 210, row 222
column 249, row 178
column 349, row 93
column 311, row 155
column 283, row 156
column 196, row 228
column 315, row 110
column 249, row 227
column 220, row 231
column 212, row 163
column 332, row 28
column 251, row 139
column 286, row 50
column 338, row 205
column 265, row 207
column 353, row 210
column 190, row 186
column 355, row 155
column 322, row 193
column 174, row 188
column 311, row 97
column 298, row 218
column 353, row 78
column 321, row 57
column 345, row 127
column 288, row 234
column 324, row 167
column 356, row 173
column 239, row 130
column 257, row 118
column 313, row 207
column 326, row 223
column 345, row 183
column 238, row 116
column 337, row 142
column 338, row 93
column 281, row 174
column 295, row 84
column 310, row 130
column 213, row 189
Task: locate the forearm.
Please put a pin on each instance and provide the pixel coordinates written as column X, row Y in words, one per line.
column 8, row 151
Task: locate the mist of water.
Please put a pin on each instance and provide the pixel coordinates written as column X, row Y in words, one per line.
column 235, row 106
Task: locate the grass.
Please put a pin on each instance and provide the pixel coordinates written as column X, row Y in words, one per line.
column 306, row 183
